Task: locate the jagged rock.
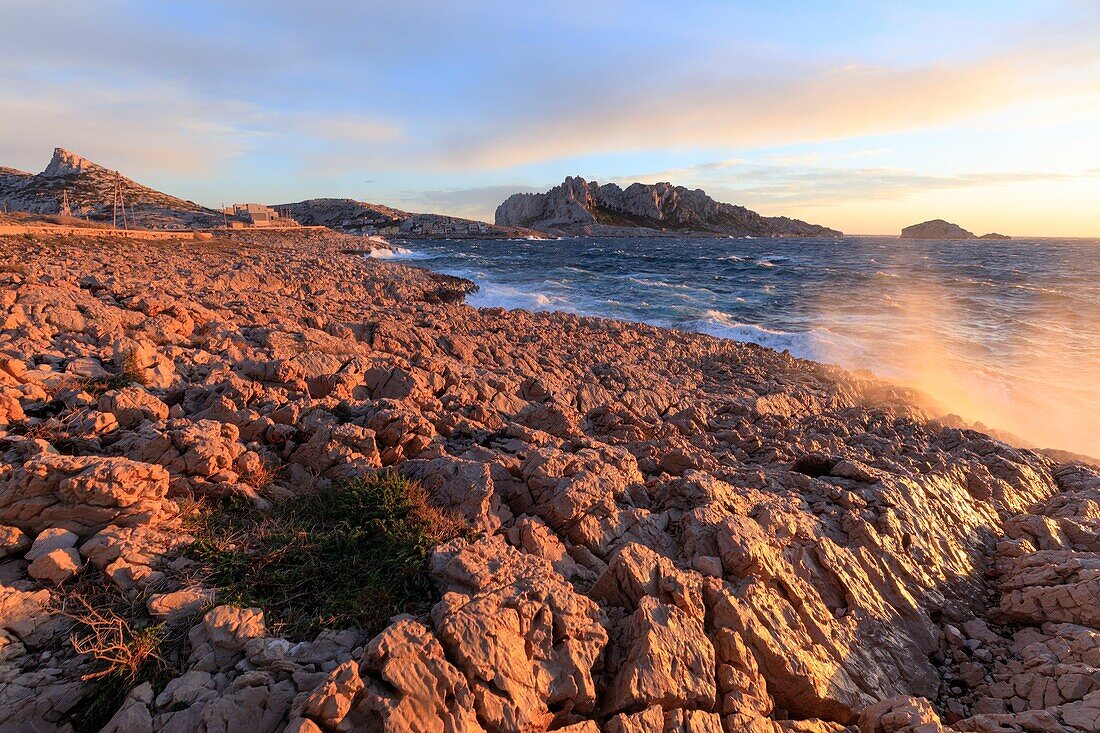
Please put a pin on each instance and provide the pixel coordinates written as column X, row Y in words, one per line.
column 666, row 531
column 330, row 703
column 55, row 566
column 580, row 207
column 650, row 719
column 81, row 493
column 229, row 627
column 12, row 541
column 412, row 685
column 179, row 604
column 133, row 716
column 132, row 405
column 668, row 661
column 49, row 540
column 523, row 637
column 21, row 612
column 900, row 715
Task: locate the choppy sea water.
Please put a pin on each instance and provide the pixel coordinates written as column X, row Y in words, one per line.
column 1007, row 333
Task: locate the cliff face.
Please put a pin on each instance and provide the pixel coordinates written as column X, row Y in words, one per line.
column 936, row 229
column 581, row 207
column 90, row 189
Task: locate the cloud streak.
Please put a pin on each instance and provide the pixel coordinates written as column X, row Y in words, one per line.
column 776, row 180
column 740, row 111
column 753, row 183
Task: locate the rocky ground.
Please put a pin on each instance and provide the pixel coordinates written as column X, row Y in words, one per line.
column 666, row 531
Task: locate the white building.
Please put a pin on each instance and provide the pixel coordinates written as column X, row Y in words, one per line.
column 257, row 215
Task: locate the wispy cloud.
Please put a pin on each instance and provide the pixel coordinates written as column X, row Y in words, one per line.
column 145, row 131
column 789, row 180
column 744, row 110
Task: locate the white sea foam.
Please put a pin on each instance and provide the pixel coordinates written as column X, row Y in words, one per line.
column 399, row 253
column 818, row 344
column 495, row 295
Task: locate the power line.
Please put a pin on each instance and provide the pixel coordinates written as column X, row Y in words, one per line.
column 118, row 202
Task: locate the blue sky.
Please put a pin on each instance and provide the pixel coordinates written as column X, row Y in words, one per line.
column 866, row 116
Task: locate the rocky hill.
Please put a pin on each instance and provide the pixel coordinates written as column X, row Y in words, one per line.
column 90, row 189
column 360, row 217
column 940, row 229
column 587, row 208
column 936, row 229
column 583, row 525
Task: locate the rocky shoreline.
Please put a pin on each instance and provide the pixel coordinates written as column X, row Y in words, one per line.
column 663, row 531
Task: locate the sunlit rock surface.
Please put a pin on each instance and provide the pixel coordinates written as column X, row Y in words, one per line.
column 670, row 532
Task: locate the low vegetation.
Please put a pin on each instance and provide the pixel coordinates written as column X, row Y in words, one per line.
column 352, row 555
column 131, row 372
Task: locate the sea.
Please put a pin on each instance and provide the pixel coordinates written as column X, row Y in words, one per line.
column 1005, row 333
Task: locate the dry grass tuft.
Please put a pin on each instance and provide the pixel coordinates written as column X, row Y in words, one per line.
column 124, row 644
column 118, row 647
column 261, row 477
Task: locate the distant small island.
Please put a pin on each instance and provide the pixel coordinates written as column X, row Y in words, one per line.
column 940, row 229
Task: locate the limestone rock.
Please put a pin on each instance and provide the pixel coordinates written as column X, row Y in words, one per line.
column 81, row 493
column 179, row 604
column 49, row 540
column 412, row 685
column 668, row 661
column 331, row 703
column 936, row 229
column 12, row 541
column 131, row 405
column 580, row 207
column 56, row 566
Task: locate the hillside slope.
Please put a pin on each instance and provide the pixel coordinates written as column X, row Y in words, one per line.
column 360, row 217
column 90, row 189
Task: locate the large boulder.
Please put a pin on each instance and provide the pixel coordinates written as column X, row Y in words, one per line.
column 81, row 493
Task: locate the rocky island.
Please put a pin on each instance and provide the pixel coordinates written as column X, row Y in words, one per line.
column 579, row 207
column 262, row 483
column 940, row 229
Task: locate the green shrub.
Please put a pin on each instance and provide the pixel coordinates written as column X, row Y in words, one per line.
column 352, row 555
column 96, row 386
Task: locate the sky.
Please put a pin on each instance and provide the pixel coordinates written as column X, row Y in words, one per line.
column 863, row 116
